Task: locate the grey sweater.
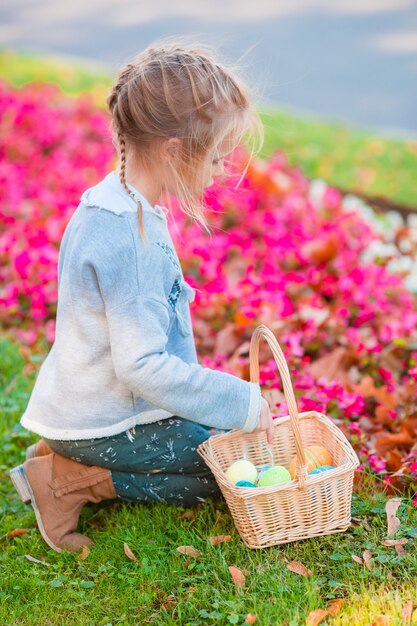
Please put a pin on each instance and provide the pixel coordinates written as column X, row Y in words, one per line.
column 124, row 350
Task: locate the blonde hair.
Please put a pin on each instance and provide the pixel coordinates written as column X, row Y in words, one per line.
column 179, row 89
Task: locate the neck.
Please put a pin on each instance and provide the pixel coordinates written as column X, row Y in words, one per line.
column 143, row 183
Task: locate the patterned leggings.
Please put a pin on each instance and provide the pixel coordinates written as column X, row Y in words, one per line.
column 151, row 462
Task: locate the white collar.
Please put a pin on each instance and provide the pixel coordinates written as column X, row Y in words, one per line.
column 110, row 194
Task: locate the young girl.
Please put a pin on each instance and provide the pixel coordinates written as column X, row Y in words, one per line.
column 120, row 401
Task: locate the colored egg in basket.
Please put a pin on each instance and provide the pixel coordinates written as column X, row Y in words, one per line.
column 316, row 456
column 241, row 470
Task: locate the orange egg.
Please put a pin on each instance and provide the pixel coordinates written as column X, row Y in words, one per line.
column 316, row 457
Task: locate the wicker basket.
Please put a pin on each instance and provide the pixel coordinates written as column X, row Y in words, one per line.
column 309, row 505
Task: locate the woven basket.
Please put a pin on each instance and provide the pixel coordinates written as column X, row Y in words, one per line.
column 309, row 505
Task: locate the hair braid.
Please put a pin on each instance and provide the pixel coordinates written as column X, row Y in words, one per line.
column 122, row 145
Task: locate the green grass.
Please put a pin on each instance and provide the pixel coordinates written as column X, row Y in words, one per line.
column 108, row 588
column 346, row 157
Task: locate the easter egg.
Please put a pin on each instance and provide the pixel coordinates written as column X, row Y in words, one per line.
column 323, row 468
column 241, row 470
column 316, row 456
column 263, row 470
column 273, row 476
column 244, row 483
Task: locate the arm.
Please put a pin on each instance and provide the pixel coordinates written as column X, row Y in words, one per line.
column 138, row 340
column 126, row 274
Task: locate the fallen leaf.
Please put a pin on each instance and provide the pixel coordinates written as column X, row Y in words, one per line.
column 189, row 551
column 366, row 387
column 407, row 611
column 391, row 508
column 129, row 553
column 381, row 620
column 298, row 568
column 315, row 617
column 361, row 522
column 17, row 532
column 219, row 539
column 238, row 576
column 251, row 618
column 401, row 550
column 358, row 559
column 395, row 542
column 367, row 558
column 187, row 515
column 334, row 606
column 333, row 366
column 84, row 553
column 32, row 558
column 320, row 251
column 386, row 441
column 393, row 460
column 386, row 398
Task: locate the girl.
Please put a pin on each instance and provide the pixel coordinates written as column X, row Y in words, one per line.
column 120, row 401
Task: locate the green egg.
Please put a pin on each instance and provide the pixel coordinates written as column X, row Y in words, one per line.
column 273, row 476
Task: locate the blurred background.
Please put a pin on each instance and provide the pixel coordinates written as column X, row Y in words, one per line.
column 348, row 60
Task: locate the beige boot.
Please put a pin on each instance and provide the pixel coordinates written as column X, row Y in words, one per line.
column 40, row 448
column 57, row 488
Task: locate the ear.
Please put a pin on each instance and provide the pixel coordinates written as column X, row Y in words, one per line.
column 170, row 149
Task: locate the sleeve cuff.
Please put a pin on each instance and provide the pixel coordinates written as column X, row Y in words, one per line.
column 254, row 408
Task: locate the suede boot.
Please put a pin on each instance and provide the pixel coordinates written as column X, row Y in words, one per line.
column 57, row 488
column 40, row 448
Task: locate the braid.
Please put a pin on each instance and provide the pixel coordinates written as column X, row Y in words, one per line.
column 122, row 145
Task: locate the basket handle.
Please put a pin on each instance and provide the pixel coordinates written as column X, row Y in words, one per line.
column 264, row 332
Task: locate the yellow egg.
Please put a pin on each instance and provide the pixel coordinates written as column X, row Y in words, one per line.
column 242, row 470
column 316, row 456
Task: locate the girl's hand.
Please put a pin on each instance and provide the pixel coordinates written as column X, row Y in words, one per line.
column 265, row 421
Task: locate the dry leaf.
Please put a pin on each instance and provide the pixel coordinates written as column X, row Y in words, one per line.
column 187, row 515
column 251, row 618
column 315, row 617
column 391, row 510
column 401, row 550
column 17, row 532
column 407, row 611
column 334, row 606
column 359, row 521
column 84, row 553
column 189, row 551
column 381, row 620
column 32, row 558
column 367, row 558
column 219, row 539
column 333, row 366
column 320, row 251
column 358, row 559
column 395, row 542
column 129, row 553
column 238, row 576
column 298, row 568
